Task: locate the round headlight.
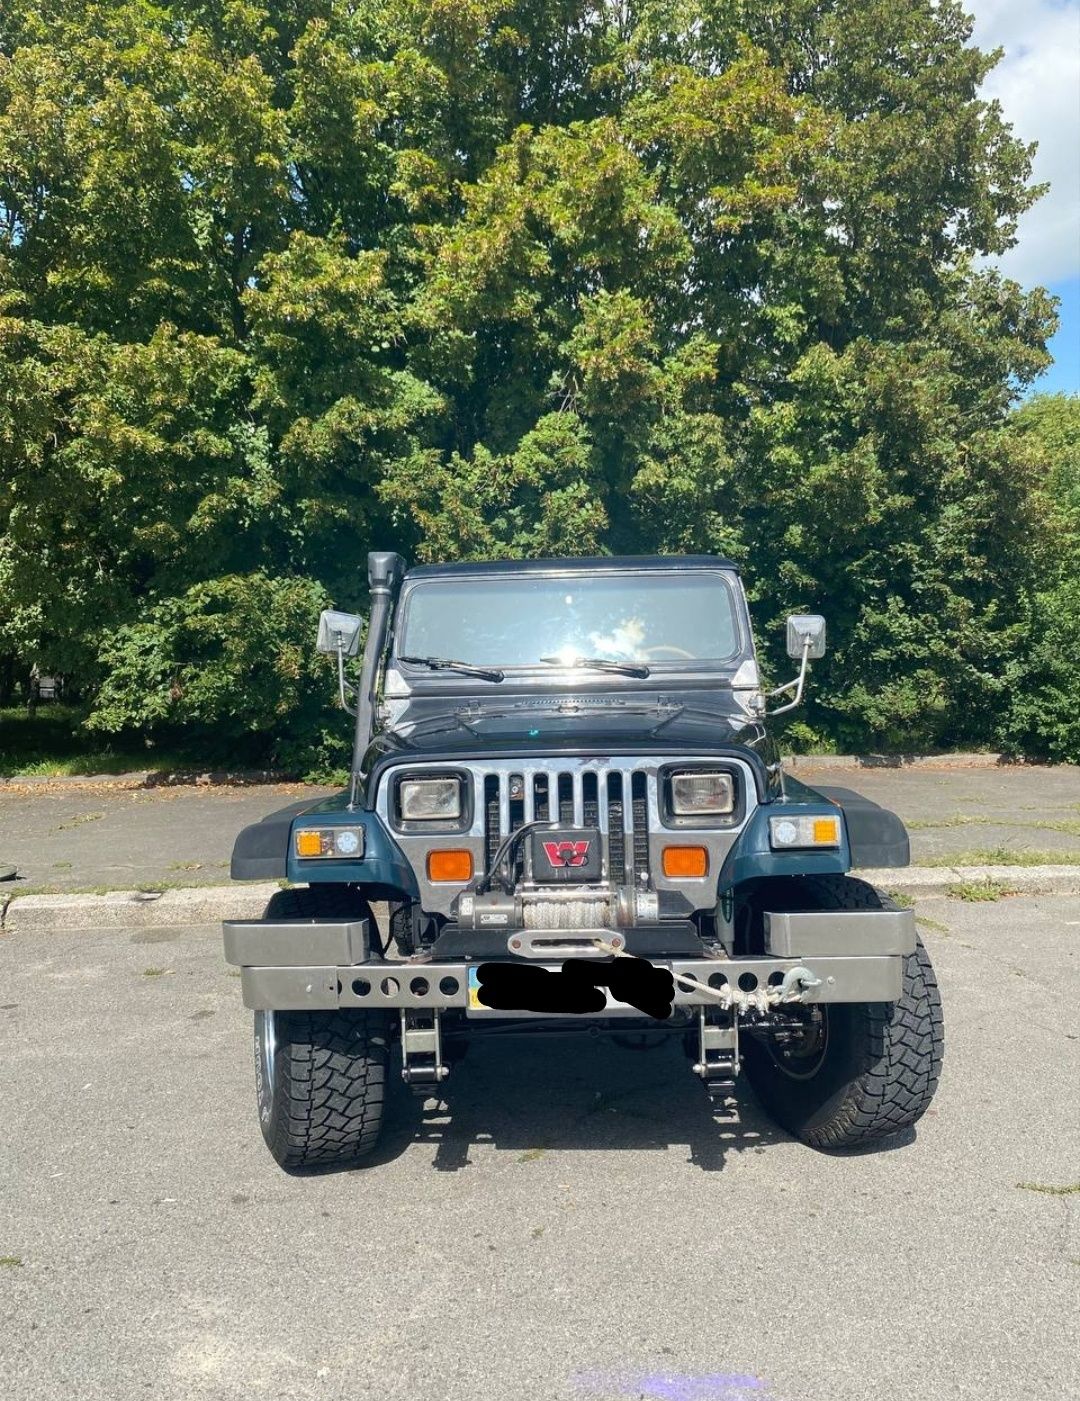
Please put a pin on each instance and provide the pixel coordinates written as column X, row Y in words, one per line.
column 430, row 799
column 702, row 794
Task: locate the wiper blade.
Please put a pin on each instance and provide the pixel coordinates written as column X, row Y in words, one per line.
column 601, row 664
column 485, row 673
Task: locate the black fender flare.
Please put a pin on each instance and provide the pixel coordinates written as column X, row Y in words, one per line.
column 877, row 837
column 261, row 851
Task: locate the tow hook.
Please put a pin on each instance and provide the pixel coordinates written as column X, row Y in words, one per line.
column 796, row 982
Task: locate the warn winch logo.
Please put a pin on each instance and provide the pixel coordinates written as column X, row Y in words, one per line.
column 566, row 853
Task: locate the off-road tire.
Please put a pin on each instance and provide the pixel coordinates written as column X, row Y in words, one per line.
column 881, row 1061
column 320, row 1077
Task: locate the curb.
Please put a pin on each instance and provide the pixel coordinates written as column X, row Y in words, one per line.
column 795, row 762
column 924, row 881
column 134, row 909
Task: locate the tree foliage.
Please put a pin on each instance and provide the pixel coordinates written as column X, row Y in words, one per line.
column 281, row 282
column 1043, row 677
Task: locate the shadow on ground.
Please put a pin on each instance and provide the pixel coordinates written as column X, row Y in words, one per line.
column 532, row 1097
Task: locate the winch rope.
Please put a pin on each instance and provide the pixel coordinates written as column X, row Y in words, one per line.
column 796, row 981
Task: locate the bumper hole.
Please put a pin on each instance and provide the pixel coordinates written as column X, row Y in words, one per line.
column 748, row 981
column 448, row 986
column 419, row 987
column 775, row 979
column 361, row 987
column 717, row 980
column 390, row 987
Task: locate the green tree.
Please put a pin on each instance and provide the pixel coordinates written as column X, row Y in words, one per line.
column 1042, row 717
column 280, row 282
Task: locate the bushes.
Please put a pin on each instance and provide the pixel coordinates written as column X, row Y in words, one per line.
column 231, row 662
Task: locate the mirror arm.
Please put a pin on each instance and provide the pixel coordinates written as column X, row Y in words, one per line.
column 798, row 683
column 344, row 686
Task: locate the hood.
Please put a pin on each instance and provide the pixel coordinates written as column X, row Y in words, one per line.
column 693, row 721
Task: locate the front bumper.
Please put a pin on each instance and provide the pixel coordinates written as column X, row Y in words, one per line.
column 851, row 956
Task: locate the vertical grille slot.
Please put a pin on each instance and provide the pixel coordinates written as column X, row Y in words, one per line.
column 517, row 801
column 616, row 835
column 639, row 792
column 491, row 819
column 566, row 799
column 541, row 798
column 590, row 800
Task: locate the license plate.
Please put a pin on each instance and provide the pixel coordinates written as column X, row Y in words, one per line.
column 475, row 1008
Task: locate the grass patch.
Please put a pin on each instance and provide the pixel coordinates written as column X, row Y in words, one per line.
column 1003, row 856
column 1069, row 825
column 10, row 1262
column 902, row 898
column 55, row 743
column 156, row 972
column 531, row 1155
column 934, row 924
column 975, row 891
column 18, row 892
column 1049, row 1190
column 78, row 820
column 159, row 887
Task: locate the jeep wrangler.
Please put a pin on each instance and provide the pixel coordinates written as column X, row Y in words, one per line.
column 566, row 797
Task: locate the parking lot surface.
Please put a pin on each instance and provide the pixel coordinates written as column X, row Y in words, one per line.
column 90, row 836
column 570, row 1224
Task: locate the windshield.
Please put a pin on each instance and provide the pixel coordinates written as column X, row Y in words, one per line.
column 517, row 620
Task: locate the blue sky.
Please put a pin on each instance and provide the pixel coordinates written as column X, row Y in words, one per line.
column 1038, row 85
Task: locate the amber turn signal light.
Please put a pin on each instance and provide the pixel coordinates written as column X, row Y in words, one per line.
column 454, row 865
column 826, row 831
column 683, row 862
column 309, row 844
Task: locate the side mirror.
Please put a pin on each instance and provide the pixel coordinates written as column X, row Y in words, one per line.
column 339, row 632
column 803, row 626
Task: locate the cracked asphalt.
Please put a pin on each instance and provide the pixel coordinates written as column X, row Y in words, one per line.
column 571, row 1224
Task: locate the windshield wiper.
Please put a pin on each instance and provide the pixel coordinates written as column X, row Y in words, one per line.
column 485, row 673
column 601, row 664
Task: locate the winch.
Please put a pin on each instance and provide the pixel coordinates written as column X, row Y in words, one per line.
column 617, row 907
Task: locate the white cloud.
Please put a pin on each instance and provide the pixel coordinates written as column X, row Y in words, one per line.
column 1038, row 85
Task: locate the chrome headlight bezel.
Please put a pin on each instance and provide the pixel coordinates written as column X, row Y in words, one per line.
column 725, row 809
column 431, row 799
column 686, row 803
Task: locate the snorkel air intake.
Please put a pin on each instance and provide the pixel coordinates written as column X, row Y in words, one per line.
column 384, row 572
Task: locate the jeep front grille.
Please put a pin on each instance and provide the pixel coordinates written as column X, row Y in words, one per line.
column 616, row 801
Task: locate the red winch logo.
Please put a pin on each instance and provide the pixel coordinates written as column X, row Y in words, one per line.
column 566, row 853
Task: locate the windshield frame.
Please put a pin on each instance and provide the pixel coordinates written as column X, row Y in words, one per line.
column 550, row 675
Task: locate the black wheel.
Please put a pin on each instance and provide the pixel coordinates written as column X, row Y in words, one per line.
column 320, row 1077
column 852, row 1073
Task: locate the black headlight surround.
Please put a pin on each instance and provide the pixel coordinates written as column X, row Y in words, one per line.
column 431, row 824
column 700, row 822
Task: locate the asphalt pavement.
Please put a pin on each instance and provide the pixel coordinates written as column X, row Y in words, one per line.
column 569, row 1225
column 108, row 836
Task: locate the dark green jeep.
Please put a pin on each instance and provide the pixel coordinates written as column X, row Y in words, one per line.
column 565, row 793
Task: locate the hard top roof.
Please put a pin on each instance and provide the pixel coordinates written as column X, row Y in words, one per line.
column 582, row 564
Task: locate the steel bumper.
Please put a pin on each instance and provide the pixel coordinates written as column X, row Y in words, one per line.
column 852, row 956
